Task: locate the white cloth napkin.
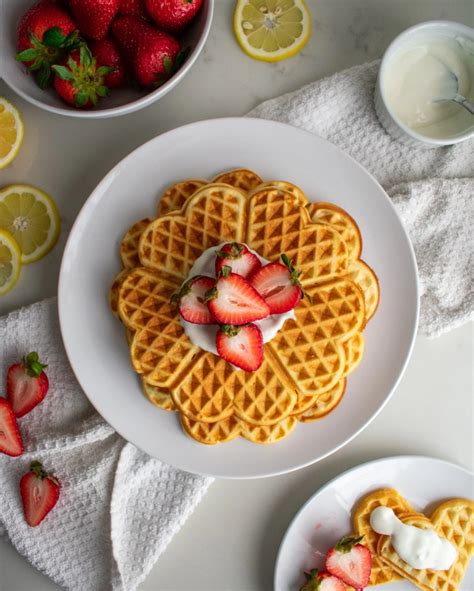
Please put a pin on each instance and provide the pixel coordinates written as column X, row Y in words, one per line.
column 433, row 190
column 118, row 508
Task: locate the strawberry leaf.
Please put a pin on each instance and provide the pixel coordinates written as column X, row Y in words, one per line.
column 181, row 58
column 85, row 56
column 81, row 98
column 72, row 41
column 105, row 70
column 346, row 543
column 102, row 91
column 54, row 37
column 168, row 65
column 63, row 72
column 225, row 271
column 26, row 55
column 43, row 77
column 230, row 330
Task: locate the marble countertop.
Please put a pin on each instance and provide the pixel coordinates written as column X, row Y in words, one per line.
column 232, row 539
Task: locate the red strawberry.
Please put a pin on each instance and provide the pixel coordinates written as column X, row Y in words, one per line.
column 350, row 561
column 133, row 8
column 172, row 15
column 106, row 53
column 27, row 384
column 39, row 493
column 324, row 581
column 10, row 436
column 93, row 17
column 45, row 34
column 234, row 301
column 190, row 300
column 80, row 82
column 241, row 345
column 239, row 258
column 279, row 285
column 153, row 56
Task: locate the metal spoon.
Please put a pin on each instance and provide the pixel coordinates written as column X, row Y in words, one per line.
column 453, row 95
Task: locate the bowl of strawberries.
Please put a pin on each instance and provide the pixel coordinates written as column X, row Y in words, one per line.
column 100, row 58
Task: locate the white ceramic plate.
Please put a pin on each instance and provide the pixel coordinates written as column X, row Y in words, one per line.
column 94, row 339
column 326, row 516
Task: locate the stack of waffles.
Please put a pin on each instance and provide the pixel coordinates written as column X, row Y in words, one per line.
column 453, row 519
column 303, row 375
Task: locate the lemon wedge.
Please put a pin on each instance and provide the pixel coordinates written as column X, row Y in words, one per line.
column 11, row 132
column 31, row 217
column 272, row 30
column 10, row 262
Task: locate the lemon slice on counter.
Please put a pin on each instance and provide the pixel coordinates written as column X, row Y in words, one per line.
column 10, row 262
column 11, row 132
column 31, row 217
column 272, row 30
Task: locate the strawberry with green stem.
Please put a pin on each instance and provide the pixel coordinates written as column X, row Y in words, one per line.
column 45, row 35
column 39, row 493
column 27, row 384
column 80, row 82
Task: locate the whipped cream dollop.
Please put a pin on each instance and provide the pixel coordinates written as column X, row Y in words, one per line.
column 204, row 335
column 420, row 548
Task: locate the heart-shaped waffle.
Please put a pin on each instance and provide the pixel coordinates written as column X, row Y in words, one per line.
column 301, row 377
column 453, row 520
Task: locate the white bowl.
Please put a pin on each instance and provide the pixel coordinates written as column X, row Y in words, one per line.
column 120, row 101
column 388, row 118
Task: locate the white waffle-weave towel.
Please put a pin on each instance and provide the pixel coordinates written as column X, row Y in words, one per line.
column 433, row 190
column 118, row 508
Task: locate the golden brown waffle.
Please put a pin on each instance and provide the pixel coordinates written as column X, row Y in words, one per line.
column 324, row 403
column 114, row 290
column 453, row 520
column 212, row 433
column 278, row 223
column 353, row 350
column 214, row 214
column 268, row 433
column 176, row 195
column 129, row 244
column 302, row 375
column 241, row 178
column 366, row 279
column 386, row 497
column 327, row 213
column 284, row 186
column 159, row 397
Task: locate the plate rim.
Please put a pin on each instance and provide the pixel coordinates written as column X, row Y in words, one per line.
column 96, row 195
column 355, row 468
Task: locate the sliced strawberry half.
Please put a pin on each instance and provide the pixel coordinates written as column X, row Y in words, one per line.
column 27, row 384
column 239, row 258
column 39, row 493
column 279, row 285
column 321, row 581
column 350, row 561
column 234, row 301
column 10, row 436
column 241, row 345
column 190, row 300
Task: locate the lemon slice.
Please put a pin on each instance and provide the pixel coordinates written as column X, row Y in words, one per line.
column 10, row 262
column 11, row 132
column 272, row 30
column 31, row 217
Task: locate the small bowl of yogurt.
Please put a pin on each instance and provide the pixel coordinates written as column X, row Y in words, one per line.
column 423, row 66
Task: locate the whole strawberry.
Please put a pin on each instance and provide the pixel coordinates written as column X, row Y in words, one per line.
column 133, row 8
column 27, row 384
column 106, row 53
column 172, row 15
column 350, row 561
column 93, row 17
column 45, row 34
column 10, row 436
column 153, row 56
column 80, row 82
column 39, row 493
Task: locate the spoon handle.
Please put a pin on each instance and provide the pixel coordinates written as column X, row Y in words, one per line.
column 465, row 103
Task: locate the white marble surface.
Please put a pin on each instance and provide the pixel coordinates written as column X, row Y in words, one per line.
column 231, row 541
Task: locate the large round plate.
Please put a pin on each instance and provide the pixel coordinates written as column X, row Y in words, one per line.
column 326, row 516
column 95, row 341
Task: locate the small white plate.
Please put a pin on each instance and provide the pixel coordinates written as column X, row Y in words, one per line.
column 326, row 516
column 95, row 341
